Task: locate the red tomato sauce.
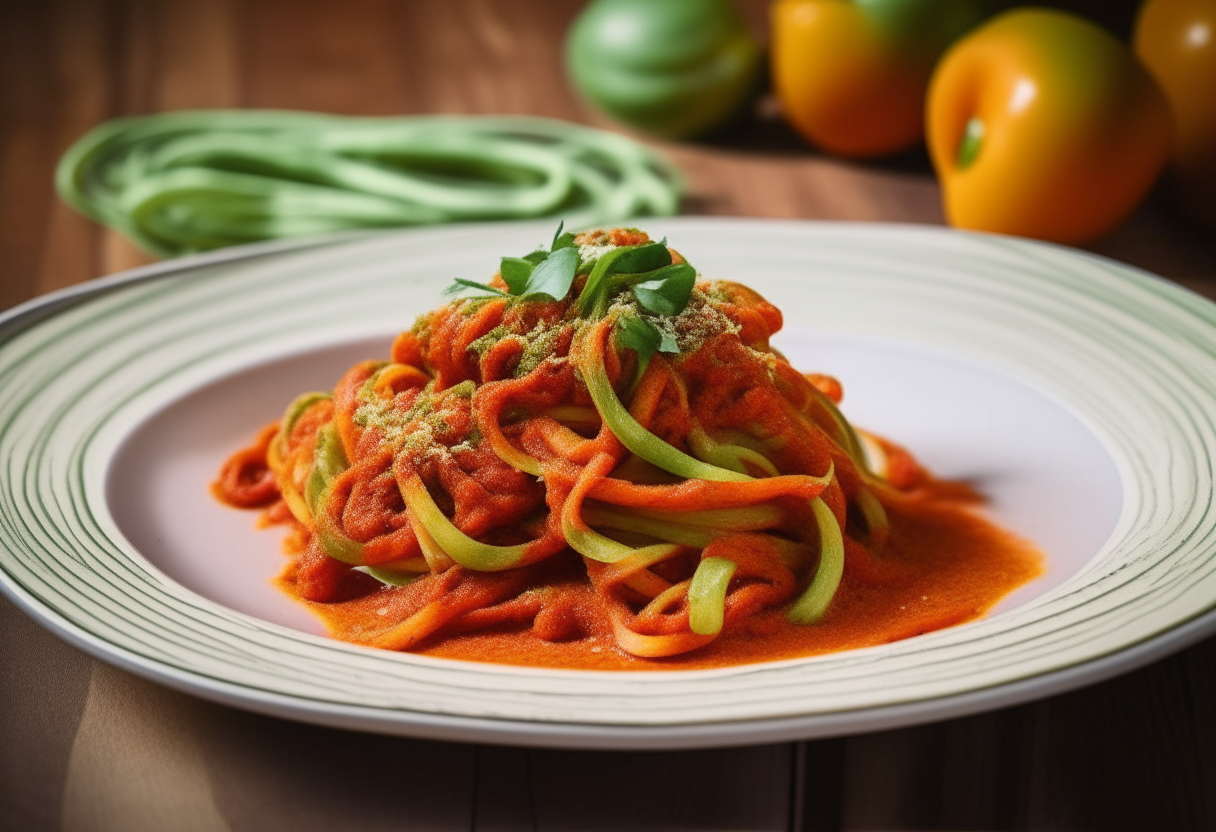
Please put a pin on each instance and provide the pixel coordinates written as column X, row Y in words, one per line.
column 944, row 565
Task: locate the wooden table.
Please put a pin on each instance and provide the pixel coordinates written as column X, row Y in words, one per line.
column 86, row 747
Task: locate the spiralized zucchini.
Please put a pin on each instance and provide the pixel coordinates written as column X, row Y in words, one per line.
column 192, row 181
column 660, row 467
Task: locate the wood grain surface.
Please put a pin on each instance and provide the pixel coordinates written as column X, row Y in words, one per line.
column 87, row 747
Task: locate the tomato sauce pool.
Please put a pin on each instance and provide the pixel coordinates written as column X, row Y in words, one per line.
column 943, row 565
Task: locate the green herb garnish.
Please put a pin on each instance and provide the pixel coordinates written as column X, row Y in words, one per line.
column 460, row 284
column 668, row 289
column 561, row 240
column 660, row 286
column 643, row 337
column 553, row 276
column 515, row 272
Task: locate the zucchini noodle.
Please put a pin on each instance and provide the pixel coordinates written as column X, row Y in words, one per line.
column 522, row 459
column 197, row 180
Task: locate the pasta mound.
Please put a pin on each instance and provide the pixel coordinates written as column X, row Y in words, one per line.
column 631, row 458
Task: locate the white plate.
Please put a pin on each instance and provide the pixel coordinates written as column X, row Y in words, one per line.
column 1074, row 391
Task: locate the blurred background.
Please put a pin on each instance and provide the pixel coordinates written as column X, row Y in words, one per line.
column 765, row 136
column 70, row 66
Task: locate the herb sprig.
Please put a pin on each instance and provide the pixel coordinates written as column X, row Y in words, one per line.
column 660, row 286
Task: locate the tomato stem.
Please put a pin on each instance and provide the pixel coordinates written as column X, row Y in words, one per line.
column 969, row 147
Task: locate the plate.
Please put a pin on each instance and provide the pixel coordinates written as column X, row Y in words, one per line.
column 1074, row 391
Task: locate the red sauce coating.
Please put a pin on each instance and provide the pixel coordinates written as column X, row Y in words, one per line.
column 945, row 564
column 481, row 392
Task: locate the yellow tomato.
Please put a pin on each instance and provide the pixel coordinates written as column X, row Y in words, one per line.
column 1176, row 40
column 851, row 74
column 1042, row 124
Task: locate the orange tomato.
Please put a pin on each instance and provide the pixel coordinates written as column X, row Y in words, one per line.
column 1042, row 124
column 851, row 74
column 1176, row 40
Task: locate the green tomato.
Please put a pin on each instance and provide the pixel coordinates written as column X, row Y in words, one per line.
column 927, row 25
column 675, row 68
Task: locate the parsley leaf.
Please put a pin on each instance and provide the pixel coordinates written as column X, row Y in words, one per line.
column 641, row 336
column 515, row 272
column 553, row 276
column 667, row 342
column 561, row 240
column 636, row 333
column 600, row 287
column 668, row 290
column 644, row 258
column 461, row 284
